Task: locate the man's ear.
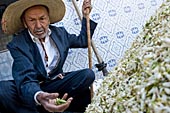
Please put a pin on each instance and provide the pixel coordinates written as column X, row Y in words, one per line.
column 24, row 23
column 49, row 21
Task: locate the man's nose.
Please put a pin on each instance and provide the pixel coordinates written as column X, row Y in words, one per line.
column 38, row 24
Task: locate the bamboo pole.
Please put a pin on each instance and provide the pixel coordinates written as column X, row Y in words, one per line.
column 88, row 38
column 77, row 9
column 99, row 59
column 89, row 47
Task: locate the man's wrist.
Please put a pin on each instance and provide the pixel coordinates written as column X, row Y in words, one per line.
column 35, row 97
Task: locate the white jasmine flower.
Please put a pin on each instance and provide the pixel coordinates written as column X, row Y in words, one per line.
column 141, row 80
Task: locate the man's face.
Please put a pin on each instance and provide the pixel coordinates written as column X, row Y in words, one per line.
column 36, row 19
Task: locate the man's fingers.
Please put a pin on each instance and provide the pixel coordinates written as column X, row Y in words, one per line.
column 69, row 100
column 52, row 107
column 86, row 9
column 66, row 105
column 65, row 96
column 52, row 95
column 87, row 1
column 48, row 100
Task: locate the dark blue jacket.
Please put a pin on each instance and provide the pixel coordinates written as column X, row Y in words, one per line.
column 28, row 69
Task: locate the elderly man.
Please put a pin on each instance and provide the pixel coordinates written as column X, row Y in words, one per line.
column 39, row 51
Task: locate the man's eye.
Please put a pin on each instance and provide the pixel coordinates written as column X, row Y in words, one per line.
column 31, row 20
column 42, row 18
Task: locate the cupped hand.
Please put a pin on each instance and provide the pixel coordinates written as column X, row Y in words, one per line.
column 48, row 101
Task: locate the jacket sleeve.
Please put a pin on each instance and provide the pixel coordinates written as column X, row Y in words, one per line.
column 80, row 41
column 24, row 75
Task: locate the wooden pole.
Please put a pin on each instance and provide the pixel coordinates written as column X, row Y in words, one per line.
column 99, row 59
column 77, row 9
column 89, row 46
column 88, row 39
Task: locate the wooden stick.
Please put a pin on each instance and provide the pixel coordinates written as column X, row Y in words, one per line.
column 77, row 9
column 99, row 59
column 89, row 46
column 88, row 38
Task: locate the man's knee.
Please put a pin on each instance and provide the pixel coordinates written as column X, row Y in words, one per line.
column 3, row 88
column 9, row 99
column 88, row 77
column 8, row 91
column 5, row 95
column 89, row 74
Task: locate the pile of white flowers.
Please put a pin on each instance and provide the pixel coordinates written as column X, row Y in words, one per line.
column 140, row 83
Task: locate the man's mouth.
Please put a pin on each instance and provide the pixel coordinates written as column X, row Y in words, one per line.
column 39, row 32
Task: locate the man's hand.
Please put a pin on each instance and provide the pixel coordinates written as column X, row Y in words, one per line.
column 48, row 101
column 86, row 8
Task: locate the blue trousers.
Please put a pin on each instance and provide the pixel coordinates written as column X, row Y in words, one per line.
column 75, row 83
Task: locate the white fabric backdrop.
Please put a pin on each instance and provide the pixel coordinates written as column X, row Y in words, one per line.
column 119, row 22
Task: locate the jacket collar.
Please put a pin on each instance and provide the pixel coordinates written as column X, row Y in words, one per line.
column 34, row 51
